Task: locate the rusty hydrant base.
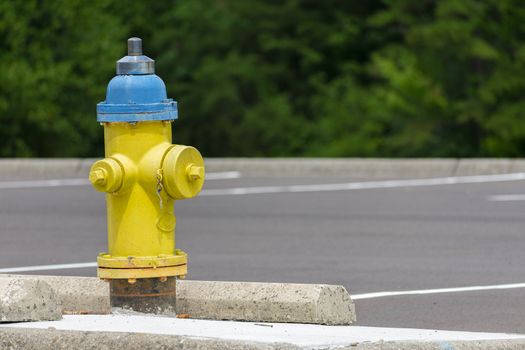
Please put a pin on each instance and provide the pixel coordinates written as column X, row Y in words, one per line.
column 147, row 295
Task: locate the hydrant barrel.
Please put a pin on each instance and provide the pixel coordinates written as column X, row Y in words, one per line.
column 142, row 175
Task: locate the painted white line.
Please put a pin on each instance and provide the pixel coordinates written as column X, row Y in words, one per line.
column 349, row 186
column 436, row 291
column 506, row 198
column 48, row 267
column 223, row 175
column 43, row 183
column 310, row 336
column 84, row 182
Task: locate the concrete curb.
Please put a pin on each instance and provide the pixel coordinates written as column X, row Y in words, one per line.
column 16, row 168
column 374, row 168
column 44, row 339
column 78, row 295
column 266, row 302
column 240, row 301
column 23, row 300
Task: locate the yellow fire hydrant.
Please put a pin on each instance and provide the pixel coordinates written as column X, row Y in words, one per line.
column 142, row 175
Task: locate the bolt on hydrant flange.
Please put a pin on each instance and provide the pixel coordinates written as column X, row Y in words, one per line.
column 142, row 175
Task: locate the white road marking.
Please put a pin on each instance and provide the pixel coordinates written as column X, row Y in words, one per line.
column 311, row 336
column 349, row 186
column 436, row 291
column 223, row 175
column 84, row 182
column 507, row 197
column 43, row 183
column 48, row 267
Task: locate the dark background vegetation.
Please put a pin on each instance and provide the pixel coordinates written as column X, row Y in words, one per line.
column 392, row 78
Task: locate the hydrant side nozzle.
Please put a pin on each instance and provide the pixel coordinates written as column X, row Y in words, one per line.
column 98, row 176
column 195, row 172
column 183, row 170
column 106, row 175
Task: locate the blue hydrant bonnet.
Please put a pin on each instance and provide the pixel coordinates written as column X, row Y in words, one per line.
column 136, row 93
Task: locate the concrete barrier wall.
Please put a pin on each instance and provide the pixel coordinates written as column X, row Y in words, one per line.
column 370, row 168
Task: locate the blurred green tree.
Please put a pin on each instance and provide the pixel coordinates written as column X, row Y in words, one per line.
column 56, row 57
column 447, row 81
column 274, row 78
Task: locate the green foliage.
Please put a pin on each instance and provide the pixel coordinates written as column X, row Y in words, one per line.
column 55, row 63
column 447, row 81
column 274, row 78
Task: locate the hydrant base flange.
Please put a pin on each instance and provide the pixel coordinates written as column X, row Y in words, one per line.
column 170, row 271
column 130, row 262
column 142, row 267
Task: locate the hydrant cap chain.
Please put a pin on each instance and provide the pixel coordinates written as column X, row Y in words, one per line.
column 136, row 93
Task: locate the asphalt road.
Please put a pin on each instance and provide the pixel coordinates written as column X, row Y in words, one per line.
column 370, row 240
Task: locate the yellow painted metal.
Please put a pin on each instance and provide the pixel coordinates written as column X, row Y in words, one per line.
column 143, row 174
column 180, row 270
column 187, row 181
column 106, row 175
column 108, row 261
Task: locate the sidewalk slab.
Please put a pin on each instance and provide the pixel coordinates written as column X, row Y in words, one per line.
column 155, row 332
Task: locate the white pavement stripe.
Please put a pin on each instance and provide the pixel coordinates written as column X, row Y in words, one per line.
column 84, row 182
column 223, row 176
column 436, row 291
column 349, row 186
column 305, row 336
column 507, row 198
column 43, row 183
column 48, row 267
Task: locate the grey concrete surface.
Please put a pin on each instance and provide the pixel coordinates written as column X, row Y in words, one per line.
column 77, row 295
column 367, row 240
column 23, row 300
column 464, row 345
column 371, row 168
column 241, row 301
column 49, row 339
column 52, row 339
column 266, row 302
column 26, row 168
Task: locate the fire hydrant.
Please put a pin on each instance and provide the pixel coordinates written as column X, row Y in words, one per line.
column 142, row 175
